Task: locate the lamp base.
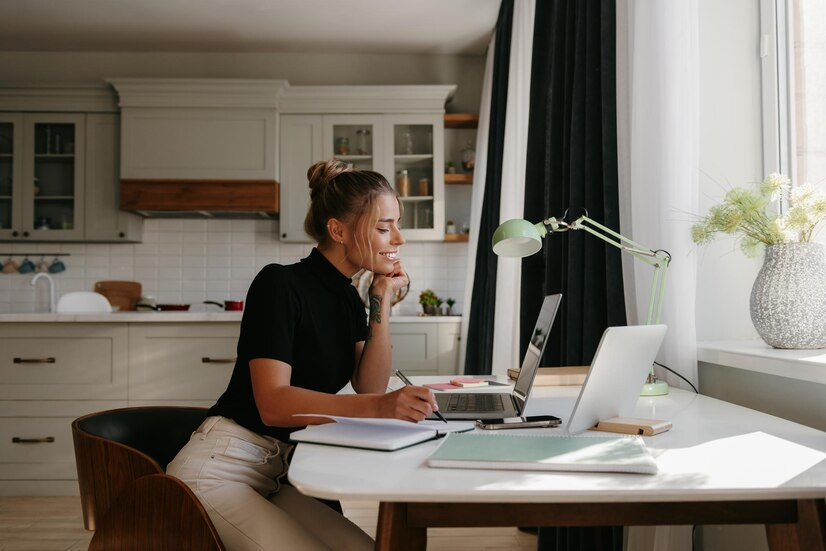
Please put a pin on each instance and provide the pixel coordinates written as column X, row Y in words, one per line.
column 655, row 388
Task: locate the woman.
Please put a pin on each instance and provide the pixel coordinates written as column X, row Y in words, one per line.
column 304, row 336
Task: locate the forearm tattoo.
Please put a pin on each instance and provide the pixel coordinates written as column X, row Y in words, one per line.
column 375, row 313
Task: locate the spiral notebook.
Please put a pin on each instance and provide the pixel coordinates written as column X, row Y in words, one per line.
column 539, row 452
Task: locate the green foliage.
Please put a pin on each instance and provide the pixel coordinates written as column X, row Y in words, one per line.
column 752, row 215
column 428, row 297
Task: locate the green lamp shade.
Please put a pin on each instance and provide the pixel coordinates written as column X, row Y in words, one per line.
column 518, row 238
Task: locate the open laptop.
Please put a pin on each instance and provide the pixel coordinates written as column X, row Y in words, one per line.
column 616, row 376
column 488, row 405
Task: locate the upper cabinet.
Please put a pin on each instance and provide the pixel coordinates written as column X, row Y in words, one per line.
column 58, row 168
column 394, row 130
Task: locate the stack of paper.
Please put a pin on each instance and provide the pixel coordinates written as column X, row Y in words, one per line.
column 626, row 454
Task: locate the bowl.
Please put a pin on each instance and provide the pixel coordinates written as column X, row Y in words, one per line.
column 83, row 301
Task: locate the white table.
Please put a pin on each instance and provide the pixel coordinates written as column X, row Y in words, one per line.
column 720, row 464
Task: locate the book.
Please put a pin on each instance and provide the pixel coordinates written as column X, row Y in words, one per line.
column 555, row 376
column 468, row 382
column 633, row 425
column 375, row 433
column 533, row 452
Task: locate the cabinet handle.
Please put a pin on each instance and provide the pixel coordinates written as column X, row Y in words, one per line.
column 208, row 360
column 15, row 234
column 44, row 440
column 25, row 234
column 34, row 360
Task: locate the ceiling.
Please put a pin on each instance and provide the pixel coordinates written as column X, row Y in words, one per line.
column 319, row 26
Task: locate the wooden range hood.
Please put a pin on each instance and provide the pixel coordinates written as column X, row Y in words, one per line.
column 158, row 197
column 199, row 147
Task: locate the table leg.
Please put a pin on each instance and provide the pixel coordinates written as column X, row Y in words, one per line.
column 807, row 534
column 393, row 532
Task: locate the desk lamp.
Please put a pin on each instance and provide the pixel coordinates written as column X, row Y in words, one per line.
column 519, row 238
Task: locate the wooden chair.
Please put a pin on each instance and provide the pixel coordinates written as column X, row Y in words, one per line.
column 126, row 497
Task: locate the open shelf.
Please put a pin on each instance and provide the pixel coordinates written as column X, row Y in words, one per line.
column 461, row 120
column 463, row 178
column 456, row 237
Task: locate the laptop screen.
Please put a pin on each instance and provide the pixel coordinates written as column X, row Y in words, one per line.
column 536, row 346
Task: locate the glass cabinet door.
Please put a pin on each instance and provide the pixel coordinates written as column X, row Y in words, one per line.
column 354, row 139
column 11, row 132
column 417, row 151
column 53, row 209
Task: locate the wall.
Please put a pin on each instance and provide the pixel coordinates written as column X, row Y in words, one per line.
column 194, row 260
column 189, row 261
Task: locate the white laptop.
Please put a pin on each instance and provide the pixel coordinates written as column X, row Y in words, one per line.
column 487, row 405
column 621, row 364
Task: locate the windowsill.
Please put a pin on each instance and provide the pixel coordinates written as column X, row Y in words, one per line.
column 757, row 356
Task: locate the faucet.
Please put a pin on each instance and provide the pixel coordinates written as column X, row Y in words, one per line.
column 51, row 288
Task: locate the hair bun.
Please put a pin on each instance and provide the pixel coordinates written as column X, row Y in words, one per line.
column 323, row 172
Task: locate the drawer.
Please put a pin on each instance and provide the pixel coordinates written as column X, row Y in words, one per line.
column 181, row 363
column 42, row 361
column 415, row 348
column 37, row 448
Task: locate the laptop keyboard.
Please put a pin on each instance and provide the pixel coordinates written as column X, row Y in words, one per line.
column 475, row 402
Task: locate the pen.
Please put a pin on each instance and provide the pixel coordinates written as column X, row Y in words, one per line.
column 407, row 382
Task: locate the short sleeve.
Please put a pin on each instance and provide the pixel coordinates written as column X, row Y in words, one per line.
column 271, row 315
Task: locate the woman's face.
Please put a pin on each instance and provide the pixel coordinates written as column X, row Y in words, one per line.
column 378, row 238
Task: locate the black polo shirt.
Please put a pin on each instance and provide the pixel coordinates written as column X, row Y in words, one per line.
column 307, row 315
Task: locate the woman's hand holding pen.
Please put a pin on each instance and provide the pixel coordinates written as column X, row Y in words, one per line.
column 410, row 403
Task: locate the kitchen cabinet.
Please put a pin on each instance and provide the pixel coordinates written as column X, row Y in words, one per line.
column 423, row 347
column 388, row 129
column 180, row 364
column 102, row 184
column 58, row 171
column 50, row 374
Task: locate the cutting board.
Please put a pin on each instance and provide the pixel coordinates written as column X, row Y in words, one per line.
column 120, row 294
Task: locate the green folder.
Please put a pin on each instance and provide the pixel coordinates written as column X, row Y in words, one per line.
column 537, row 452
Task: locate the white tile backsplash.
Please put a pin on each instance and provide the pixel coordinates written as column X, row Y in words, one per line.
column 190, row 261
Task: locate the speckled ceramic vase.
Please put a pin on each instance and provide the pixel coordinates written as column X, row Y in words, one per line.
column 788, row 300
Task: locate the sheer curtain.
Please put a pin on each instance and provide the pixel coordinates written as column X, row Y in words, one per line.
column 658, row 120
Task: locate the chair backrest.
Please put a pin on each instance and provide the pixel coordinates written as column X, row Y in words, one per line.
column 156, row 512
column 116, row 447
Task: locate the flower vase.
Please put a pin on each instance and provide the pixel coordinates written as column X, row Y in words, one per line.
column 788, row 299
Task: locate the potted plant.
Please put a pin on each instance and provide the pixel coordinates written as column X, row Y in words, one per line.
column 450, row 302
column 439, row 310
column 788, row 298
column 428, row 299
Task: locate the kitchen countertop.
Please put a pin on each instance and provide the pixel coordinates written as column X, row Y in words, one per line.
column 172, row 317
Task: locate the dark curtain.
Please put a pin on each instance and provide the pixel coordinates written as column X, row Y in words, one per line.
column 572, row 164
column 478, row 357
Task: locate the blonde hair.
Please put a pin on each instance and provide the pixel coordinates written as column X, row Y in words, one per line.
column 341, row 192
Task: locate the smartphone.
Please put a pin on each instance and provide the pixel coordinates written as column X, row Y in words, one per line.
column 534, row 421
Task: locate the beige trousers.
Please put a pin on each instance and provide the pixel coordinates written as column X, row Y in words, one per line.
column 235, row 473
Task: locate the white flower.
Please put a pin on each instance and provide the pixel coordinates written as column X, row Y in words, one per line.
column 775, row 185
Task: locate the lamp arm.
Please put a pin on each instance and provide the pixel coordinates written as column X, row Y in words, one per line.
column 659, row 259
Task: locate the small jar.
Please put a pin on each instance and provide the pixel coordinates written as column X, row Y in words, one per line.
column 468, row 157
column 342, row 146
column 450, row 227
column 403, row 184
column 408, row 145
column 363, row 141
column 424, row 187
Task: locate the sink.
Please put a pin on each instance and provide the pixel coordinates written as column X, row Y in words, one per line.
column 83, row 301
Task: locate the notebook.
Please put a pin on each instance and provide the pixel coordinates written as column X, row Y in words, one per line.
column 535, row 452
column 618, row 371
column 374, row 433
column 487, row 405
